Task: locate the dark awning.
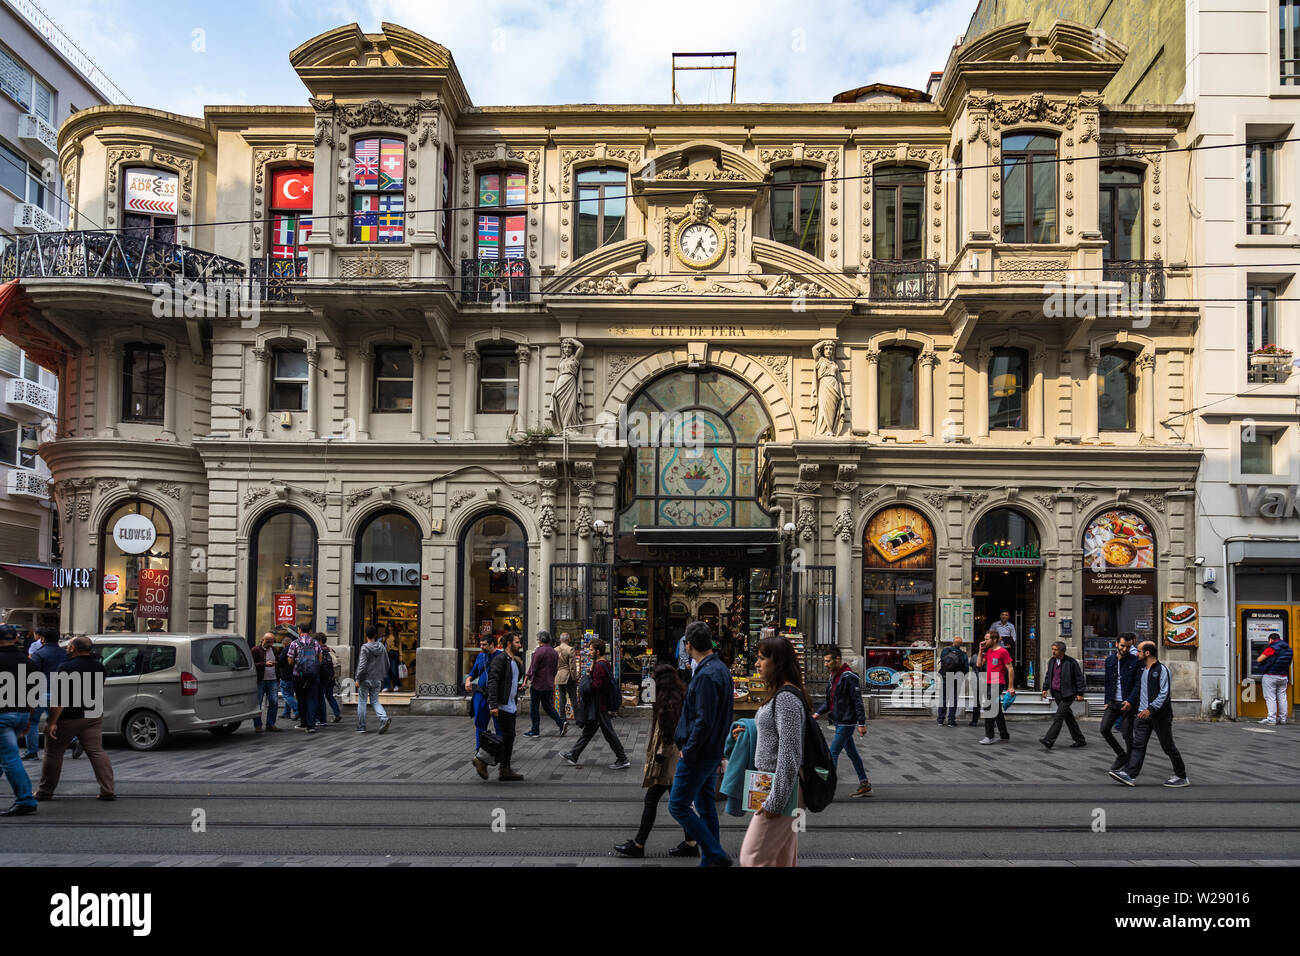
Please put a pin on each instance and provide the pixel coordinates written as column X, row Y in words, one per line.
column 41, row 577
column 704, row 537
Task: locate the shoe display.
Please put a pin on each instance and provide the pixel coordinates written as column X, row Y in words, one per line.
column 630, row 849
column 685, row 849
column 1123, row 777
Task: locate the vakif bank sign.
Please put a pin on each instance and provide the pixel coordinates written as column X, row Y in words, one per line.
column 990, row 555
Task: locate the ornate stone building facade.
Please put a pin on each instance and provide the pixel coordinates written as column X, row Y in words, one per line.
column 893, row 333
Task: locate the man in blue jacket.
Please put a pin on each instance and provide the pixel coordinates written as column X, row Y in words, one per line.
column 1122, row 667
column 1274, row 667
column 1155, row 714
column 701, row 736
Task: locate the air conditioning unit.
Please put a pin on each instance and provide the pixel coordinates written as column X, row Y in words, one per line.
column 27, row 484
column 19, row 391
column 38, row 133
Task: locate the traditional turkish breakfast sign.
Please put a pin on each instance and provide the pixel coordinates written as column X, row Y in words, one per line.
column 291, row 189
column 151, row 192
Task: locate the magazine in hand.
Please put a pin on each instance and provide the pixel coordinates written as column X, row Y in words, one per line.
column 758, row 787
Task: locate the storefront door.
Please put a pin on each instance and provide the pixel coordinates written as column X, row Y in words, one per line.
column 1256, row 626
column 997, row 590
column 395, row 613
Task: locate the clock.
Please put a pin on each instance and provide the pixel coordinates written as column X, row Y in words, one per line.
column 700, row 244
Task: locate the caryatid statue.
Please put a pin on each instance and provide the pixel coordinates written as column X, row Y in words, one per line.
column 566, row 397
column 828, row 391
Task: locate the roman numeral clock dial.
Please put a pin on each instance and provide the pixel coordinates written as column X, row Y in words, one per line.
column 699, row 244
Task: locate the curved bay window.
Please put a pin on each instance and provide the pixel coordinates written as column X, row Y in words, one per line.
column 1007, row 572
column 899, row 212
column 1029, row 188
column 386, row 578
column 796, row 208
column 136, row 592
column 1008, row 370
column 493, row 583
column 378, row 190
column 896, row 387
column 1116, row 391
column 695, row 463
column 283, row 579
column 898, row 627
column 1119, row 587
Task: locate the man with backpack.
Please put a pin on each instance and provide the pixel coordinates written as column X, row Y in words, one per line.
column 844, row 708
column 598, row 696
column 284, row 670
column 304, row 656
column 327, row 677
column 952, row 663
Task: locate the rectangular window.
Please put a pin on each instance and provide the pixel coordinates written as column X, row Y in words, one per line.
column 29, row 441
column 1289, row 42
column 1121, row 213
column 797, row 208
column 16, row 176
column 1261, row 335
column 500, row 234
column 394, row 379
column 290, row 225
column 1028, row 188
column 378, row 185
column 448, row 166
column 144, row 380
column 289, row 381
column 8, row 441
column 602, row 208
column 897, row 388
column 1258, row 451
column 899, row 212
column 961, row 239
column 1265, row 215
column 31, row 371
column 43, row 101
column 1008, row 370
column 498, row 381
column 1116, row 391
column 15, row 80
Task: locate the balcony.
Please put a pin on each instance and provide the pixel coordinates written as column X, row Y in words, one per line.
column 26, row 484
column 38, row 134
column 19, row 391
column 272, row 279
column 30, row 217
column 112, row 255
column 494, row 280
column 904, row 280
column 1142, row 280
column 1269, row 366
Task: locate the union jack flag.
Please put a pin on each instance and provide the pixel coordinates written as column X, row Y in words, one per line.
column 365, row 218
column 366, row 163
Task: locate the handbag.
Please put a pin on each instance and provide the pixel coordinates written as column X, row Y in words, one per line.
column 489, row 747
column 401, row 672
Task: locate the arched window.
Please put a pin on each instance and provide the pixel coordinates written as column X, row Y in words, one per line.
column 896, row 384
column 899, row 212
column 1120, row 211
column 386, row 586
column 283, row 581
column 1119, row 587
column 1029, row 188
column 390, row 537
column 695, row 436
column 797, row 208
column 1116, row 391
column 1008, row 370
column 602, row 209
column 290, row 222
column 135, row 559
column 494, row 582
column 378, row 190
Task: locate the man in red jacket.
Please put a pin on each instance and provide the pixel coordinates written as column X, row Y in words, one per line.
column 541, row 679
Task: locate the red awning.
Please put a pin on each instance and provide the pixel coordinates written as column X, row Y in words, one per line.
column 16, row 326
column 41, row 577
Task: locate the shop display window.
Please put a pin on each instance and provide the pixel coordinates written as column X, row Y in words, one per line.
column 128, row 578
column 284, row 572
column 898, row 604
column 494, row 582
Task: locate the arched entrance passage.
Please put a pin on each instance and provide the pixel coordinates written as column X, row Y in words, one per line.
column 1007, row 577
column 493, row 582
column 386, row 581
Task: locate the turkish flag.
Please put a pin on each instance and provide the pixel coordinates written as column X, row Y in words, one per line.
column 291, row 189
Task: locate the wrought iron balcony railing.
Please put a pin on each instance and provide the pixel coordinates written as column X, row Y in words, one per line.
column 904, row 280
column 1143, row 279
column 274, row 278
column 485, row 280
column 111, row 255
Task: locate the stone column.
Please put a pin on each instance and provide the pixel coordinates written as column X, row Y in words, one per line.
column 1090, row 428
column 471, row 391
column 524, row 353
column 314, row 399
column 1147, row 367
column 1038, row 416
column 110, row 388
column 872, row 418
column 585, row 484
column 365, row 388
column 260, row 387
column 981, row 429
column 546, row 524
column 170, row 394
column 845, row 487
column 417, row 392
column 926, row 410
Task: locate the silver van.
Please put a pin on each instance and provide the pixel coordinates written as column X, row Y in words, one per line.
column 159, row 684
column 30, row 618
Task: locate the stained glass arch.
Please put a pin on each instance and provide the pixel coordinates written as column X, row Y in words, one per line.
column 694, row 459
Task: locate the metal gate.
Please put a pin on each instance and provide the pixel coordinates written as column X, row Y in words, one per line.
column 808, row 596
column 581, row 601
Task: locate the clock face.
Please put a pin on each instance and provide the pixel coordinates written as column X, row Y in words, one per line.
column 699, row 244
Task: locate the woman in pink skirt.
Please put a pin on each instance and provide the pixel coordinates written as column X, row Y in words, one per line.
column 771, row 839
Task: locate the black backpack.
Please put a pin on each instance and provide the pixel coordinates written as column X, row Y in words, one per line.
column 817, row 773
column 613, row 692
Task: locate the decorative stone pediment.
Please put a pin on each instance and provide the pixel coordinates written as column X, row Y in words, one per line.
column 613, row 269
column 1065, row 42
column 699, row 161
column 350, row 47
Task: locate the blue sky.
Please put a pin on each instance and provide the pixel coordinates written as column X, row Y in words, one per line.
column 180, row 56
